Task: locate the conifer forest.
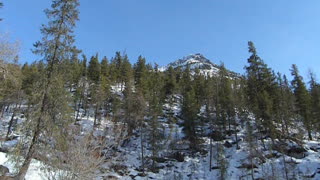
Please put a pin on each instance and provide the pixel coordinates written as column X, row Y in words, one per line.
column 76, row 116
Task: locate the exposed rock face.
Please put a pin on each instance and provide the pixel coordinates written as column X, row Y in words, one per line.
column 296, row 151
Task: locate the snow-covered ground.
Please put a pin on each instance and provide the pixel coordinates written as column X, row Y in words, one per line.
column 35, row 171
column 194, row 166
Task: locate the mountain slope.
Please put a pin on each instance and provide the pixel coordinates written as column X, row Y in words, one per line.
column 196, row 61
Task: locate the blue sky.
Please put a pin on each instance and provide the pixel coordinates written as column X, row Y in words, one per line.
column 284, row 32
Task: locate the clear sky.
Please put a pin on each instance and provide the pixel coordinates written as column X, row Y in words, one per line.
column 284, row 32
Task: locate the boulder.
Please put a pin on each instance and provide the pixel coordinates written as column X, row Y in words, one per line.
column 227, row 144
column 179, row 156
column 296, row 152
column 160, row 159
column 248, row 166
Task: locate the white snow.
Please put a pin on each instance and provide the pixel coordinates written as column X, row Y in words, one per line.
column 34, row 171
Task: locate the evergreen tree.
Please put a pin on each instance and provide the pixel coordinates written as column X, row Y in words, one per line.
column 155, row 110
column 126, row 72
column 76, row 68
column 199, row 81
column 170, row 81
column 129, row 108
column 284, row 106
column 104, row 67
column 190, row 110
column 259, row 89
column 141, row 75
column 80, row 95
column 302, row 99
column 84, row 65
column 54, row 48
column 116, row 69
column 225, row 99
column 315, row 100
column 94, row 69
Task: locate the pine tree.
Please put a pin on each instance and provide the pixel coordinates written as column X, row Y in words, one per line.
column 155, row 110
column 84, row 66
column 72, row 70
column 80, row 95
column 140, row 106
column 126, row 72
column 190, row 110
column 199, row 86
column 94, row 69
column 302, row 99
column 225, row 100
column 141, row 75
column 76, row 69
column 116, row 69
column 284, row 106
column 129, row 108
column 170, row 81
column 210, row 103
column 104, row 67
column 315, row 100
column 54, row 48
column 259, row 89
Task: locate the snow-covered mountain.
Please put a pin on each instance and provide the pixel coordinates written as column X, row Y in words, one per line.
column 195, row 61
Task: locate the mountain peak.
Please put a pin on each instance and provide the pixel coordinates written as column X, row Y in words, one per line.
column 195, row 61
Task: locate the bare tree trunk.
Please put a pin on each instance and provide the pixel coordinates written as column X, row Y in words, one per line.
column 210, row 162
column 13, row 114
column 309, row 133
column 27, row 113
column 95, row 115
column 229, row 124
column 7, row 109
column 25, row 166
column 142, row 153
column 236, row 134
column 78, row 109
column 252, row 170
column 10, row 124
column 2, row 107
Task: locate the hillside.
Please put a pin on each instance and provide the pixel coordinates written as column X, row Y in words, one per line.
column 69, row 115
column 177, row 161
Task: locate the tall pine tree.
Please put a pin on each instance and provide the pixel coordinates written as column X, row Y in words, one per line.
column 55, row 47
column 302, row 99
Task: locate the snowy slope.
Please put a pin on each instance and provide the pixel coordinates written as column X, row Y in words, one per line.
column 195, row 61
column 194, row 166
